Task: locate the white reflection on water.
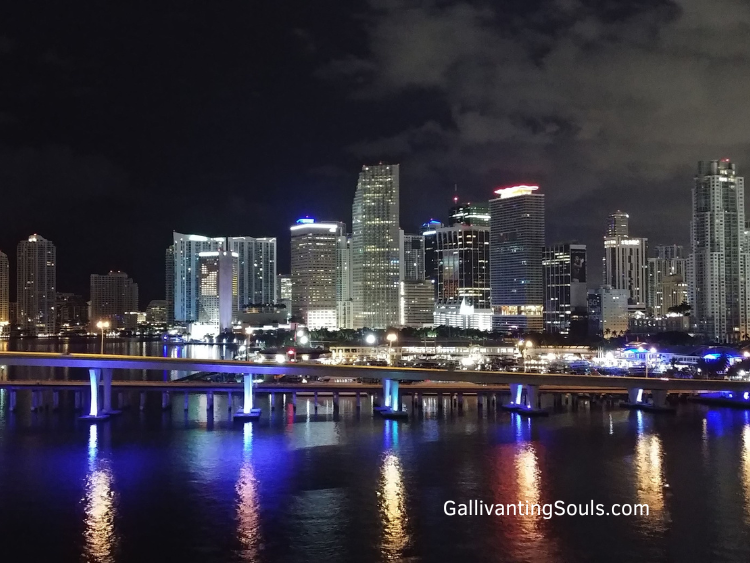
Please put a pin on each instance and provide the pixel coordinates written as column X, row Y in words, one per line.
column 392, row 506
column 248, row 505
column 100, row 534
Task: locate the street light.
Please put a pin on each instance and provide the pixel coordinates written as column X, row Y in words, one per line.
column 102, row 325
column 370, row 339
column 391, row 338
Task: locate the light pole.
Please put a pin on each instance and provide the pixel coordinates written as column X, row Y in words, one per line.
column 102, row 325
column 528, row 345
column 392, row 337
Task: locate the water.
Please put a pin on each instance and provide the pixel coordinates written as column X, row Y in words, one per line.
column 157, row 486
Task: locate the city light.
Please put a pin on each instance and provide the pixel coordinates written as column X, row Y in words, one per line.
column 370, row 339
column 280, row 358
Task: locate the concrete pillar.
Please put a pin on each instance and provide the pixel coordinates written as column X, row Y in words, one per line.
column 635, row 395
column 386, row 393
column 107, row 394
column 272, row 400
column 659, row 397
column 94, row 376
column 77, row 400
column 247, row 388
column 209, row 400
column 336, row 400
column 143, row 401
column 164, row 400
column 359, row 400
column 395, row 397
column 187, row 401
column 229, row 400
column 516, row 389
column 480, row 401
column 55, row 400
column 120, row 400
column 440, row 401
column 294, row 401
column 532, row 396
column 13, row 400
column 418, row 397
column 315, row 401
column 34, row 399
column 460, row 400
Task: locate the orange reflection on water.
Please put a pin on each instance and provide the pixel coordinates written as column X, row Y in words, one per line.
column 100, row 534
column 649, row 472
column 392, row 505
column 248, row 505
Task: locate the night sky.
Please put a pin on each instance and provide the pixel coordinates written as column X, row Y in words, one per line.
column 120, row 124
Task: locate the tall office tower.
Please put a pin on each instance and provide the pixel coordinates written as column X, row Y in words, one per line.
column 411, row 256
column 315, row 261
column 463, row 273
column 429, row 232
column 284, row 292
column 477, row 214
column 565, row 291
column 720, row 261
column 375, row 247
column 36, row 285
column 624, row 264
column 113, row 296
column 516, row 245
column 416, row 303
column 667, row 281
column 156, row 312
column 169, row 290
column 257, row 269
column 668, row 251
column 617, row 225
column 608, row 311
column 4, row 291
column 218, row 288
column 344, row 303
column 186, row 274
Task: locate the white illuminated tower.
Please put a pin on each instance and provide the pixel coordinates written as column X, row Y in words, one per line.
column 185, row 273
column 257, row 269
column 218, row 287
column 375, row 247
column 624, row 264
column 36, row 285
column 720, row 264
column 4, row 289
column 516, row 245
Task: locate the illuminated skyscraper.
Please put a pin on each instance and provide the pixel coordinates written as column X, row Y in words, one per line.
column 315, row 272
column 4, row 291
column 430, row 251
column 411, row 257
column 37, row 285
column 624, row 264
column 257, row 269
column 516, row 244
column 565, row 291
column 185, row 273
column 375, row 247
column 477, row 214
column 112, row 296
column 218, row 288
column 720, row 262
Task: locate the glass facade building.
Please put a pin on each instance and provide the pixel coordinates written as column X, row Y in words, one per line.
column 565, row 292
column 36, row 276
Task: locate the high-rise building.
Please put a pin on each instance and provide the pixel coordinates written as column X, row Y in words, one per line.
column 608, row 311
column 720, row 260
column 156, row 312
column 667, row 280
column 315, row 256
column 169, row 278
column 344, row 302
column 416, row 303
column 218, row 288
column 284, row 292
column 36, row 285
column 463, row 274
column 477, row 214
column 565, row 291
column 624, row 264
column 516, row 245
column 113, row 297
column 257, row 269
column 429, row 232
column 375, row 247
column 617, row 224
column 185, row 273
column 71, row 313
column 4, row 291
column 411, row 257
column 669, row 251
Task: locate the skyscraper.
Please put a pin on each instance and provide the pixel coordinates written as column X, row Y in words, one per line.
column 411, row 257
column 565, row 291
column 516, row 244
column 185, row 272
column 315, row 272
column 112, row 296
column 429, row 232
column 667, row 279
column 375, row 247
column 344, row 303
column 624, row 265
column 218, row 288
column 170, row 285
column 720, row 261
column 470, row 214
column 463, row 271
column 36, row 285
column 4, row 291
column 257, row 269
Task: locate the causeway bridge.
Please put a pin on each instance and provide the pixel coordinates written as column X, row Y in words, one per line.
column 524, row 387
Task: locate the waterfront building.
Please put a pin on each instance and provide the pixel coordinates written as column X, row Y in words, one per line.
column 156, row 312
column 218, row 289
column 185, row 273
column 565, row 291
column 375, row 247
column 516, row 244
column 624, row 264
column 113, row 297
column 71, row 313
column 315, row 256
column 720, row 259
column 257, row 269
column 36, row 277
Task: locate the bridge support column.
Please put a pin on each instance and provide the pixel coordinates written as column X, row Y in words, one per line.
column 165, row 403
column 532, row 396
column 294, row 401
column 480, row 401
column 77, row 400
column 272, row 400
column 13, row 400
column 107, row 392
column 248, row 411
column 315, row 401
column 386, row 393
column 229, row 401
column 142, row 405
column 635, row 395
column 659, row 397
column 34, row 400
column 209, row 400
column 460, row 398
column 359, row 400
column 187, row 401
column 95, row 413
column 395, row 398
column 440, row 402
column 516, row 390
column 55, row 400
column 336, row 400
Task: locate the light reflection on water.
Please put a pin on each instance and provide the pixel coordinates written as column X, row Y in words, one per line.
column 100, row 534
column 248, row 504
column 392, row 497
